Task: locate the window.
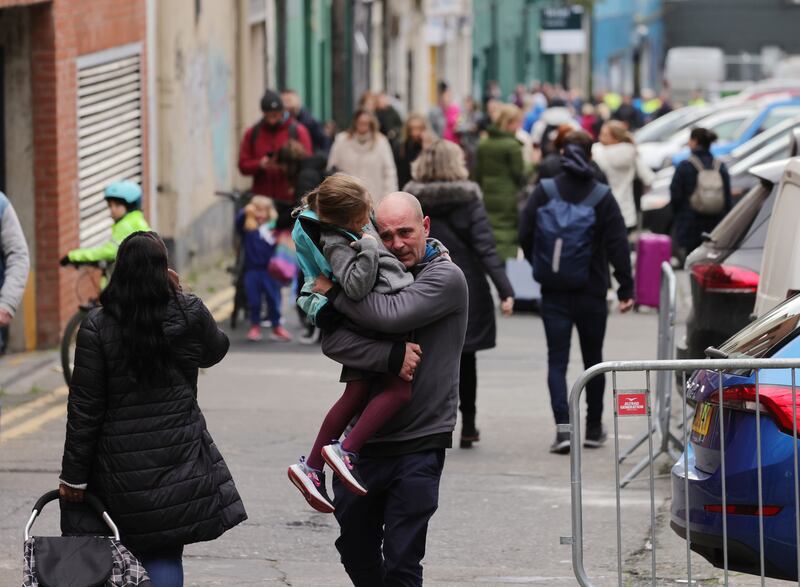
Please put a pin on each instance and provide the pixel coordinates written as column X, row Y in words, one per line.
column 764, row 336
column 109, row 133
column 728, row 130
column 778, row 115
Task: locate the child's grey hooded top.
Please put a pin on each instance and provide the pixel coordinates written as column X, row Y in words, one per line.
column 364, row 265
column 434, row 307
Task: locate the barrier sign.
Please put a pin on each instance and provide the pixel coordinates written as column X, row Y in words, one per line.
column 632, row 403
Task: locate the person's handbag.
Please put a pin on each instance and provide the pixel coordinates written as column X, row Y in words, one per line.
column 283, row 265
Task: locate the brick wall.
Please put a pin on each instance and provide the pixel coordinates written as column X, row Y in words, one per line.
column 61, row 31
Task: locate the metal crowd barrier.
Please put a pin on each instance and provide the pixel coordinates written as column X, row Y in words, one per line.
column 669, row 444
column 641, row 403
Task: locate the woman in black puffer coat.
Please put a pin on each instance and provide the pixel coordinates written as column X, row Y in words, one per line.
column 459, row 220
column 136, row 437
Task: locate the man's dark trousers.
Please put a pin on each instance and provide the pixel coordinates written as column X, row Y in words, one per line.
column 382, row 539
column 589, row 313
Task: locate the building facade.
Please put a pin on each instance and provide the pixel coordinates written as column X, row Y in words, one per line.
column 506, row 45
column 212, row 67
column 161, row 92
column 74, row 112
column 627, row 46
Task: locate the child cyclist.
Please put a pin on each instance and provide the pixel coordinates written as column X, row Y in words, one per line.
column 359, row 264
column 256, row 225
column 124, row 199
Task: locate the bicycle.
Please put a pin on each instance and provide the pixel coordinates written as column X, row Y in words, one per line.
column 240, row 200
column 70, row 336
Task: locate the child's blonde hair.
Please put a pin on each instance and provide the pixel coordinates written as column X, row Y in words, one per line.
column 341, row 199
column 264, row 203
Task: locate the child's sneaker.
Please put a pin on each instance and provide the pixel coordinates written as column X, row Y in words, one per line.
column 343, row 464
column 311, row 484
column 280, row 334
column 254, row 334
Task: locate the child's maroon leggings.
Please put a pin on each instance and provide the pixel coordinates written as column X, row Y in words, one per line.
column 375, row 413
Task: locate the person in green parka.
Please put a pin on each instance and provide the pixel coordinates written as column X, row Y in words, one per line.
column 124, row 199
column 500, row 171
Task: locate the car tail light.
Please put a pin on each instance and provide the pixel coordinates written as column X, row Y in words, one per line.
column 743, row 510
column 775, row 400
column 725, row 278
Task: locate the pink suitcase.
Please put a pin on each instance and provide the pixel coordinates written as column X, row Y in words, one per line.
column 651, row 251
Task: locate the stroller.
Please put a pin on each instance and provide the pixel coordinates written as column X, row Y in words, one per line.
column 79, row 561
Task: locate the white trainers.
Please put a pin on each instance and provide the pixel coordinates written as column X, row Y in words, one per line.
column 343, row 464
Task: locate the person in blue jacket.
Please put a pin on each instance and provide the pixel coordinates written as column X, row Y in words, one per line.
column 256, row 225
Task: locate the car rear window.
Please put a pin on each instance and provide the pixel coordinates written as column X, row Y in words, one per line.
column 732, row 229
column 766, row 335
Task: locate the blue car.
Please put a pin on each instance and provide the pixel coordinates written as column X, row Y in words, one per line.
column 765, row 118
column 775, row 335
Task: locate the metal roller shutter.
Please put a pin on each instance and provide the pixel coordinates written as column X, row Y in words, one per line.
column 109, row 133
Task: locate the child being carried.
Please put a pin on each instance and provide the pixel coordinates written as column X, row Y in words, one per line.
column 360, row 264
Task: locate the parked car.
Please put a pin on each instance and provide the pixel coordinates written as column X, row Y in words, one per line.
column 772, row 145
column 725, row 268
column 649, row 137
column 769, row 114
column 727, row 123
column 776, row 334
column 780, row 267
column 742, row 180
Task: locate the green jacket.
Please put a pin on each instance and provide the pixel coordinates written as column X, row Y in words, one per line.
column 500, row 172
column 132, row 222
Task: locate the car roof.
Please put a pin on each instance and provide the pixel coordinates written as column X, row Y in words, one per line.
column 772, row 171
column 767, row 135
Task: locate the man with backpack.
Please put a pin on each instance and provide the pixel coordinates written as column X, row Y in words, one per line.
column 570, row 230
column 319, row 140
column 700, row 193
column 258, row 154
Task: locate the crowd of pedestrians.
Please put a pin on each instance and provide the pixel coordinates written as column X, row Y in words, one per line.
column 396, row 232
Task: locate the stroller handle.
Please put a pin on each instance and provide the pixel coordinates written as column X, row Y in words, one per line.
column 90, row 499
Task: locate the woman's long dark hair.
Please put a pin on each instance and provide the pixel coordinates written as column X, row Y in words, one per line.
column 137, row 297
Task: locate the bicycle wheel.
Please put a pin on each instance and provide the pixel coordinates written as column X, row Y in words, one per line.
column 68, row 343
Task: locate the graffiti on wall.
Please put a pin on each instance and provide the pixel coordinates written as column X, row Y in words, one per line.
column 207, row 145
column 219, row 96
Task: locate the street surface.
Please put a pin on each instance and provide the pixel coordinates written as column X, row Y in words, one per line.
column 504, row 504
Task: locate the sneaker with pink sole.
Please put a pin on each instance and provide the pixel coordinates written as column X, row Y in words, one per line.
column 280, row 334
column 254, row 334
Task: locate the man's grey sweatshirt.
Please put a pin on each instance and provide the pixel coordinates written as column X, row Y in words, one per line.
column 16, row 260
column 364, row 265
column 434, row 307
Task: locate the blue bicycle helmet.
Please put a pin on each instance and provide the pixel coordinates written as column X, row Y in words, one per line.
column 127, row 191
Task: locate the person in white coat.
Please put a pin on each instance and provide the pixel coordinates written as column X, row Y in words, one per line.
column 363, row 152
column 616, row 155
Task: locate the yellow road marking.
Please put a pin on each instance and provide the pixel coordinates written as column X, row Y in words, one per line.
column 224, row 312
column 34, row 424
column 220, row 298
column 15, row 414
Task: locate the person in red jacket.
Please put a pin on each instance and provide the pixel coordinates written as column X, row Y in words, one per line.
column 258, row 155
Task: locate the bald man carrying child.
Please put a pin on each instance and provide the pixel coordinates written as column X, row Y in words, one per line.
column 383, row 534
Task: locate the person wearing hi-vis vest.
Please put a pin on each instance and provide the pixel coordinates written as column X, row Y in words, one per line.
column 124, row 199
